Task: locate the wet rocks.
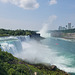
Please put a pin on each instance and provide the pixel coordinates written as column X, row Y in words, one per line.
column 53, row 67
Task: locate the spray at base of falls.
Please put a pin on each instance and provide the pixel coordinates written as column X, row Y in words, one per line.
column 43, row 32
column 34, row 52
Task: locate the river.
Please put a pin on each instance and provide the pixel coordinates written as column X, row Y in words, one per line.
column 54, row 51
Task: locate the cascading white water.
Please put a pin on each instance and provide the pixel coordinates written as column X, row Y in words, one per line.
column 34, row 52
column 13, row 44
column 44, row 32
column 23, row 38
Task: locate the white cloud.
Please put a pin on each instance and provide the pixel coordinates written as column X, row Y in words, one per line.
column 53, row 2
column 26, row 4
column 4, row 1
column 52, row 18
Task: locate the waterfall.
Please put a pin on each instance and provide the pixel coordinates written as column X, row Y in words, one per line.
column 13, row 44
column 23, row 38
column 37, row 52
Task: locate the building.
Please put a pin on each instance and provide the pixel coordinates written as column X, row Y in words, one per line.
column 61, row 28
column 66, row 27
column 69, row 26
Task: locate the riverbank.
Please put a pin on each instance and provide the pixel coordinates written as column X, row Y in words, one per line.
column 19, row 32
column 10, row 65
column 63, row 35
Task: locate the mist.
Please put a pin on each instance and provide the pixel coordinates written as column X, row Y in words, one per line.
column 35, row 52
column 45, row 28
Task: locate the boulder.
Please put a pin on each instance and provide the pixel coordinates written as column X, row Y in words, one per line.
column 53, row 67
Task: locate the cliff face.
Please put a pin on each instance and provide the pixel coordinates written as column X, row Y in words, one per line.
column 63, row 35
column 70, row 35
column 36, row 37
column 57, row 34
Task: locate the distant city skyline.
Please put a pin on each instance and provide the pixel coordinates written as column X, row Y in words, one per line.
column 68, row 26
column 33, row 14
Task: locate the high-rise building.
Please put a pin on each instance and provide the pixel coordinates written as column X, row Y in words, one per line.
column 69, row 25
column 61, row 28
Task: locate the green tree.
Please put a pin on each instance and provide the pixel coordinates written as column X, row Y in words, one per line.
column 11, row 71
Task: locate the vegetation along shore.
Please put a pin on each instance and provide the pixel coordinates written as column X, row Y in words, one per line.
column 10, row 65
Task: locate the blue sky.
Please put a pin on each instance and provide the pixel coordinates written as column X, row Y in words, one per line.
column 33, row 14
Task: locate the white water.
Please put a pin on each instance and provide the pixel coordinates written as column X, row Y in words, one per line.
column 43, row 32
column 34, row 52
column 46, row 26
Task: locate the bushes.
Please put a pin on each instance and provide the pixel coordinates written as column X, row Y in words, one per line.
column 10, row 65
column 4, row 32
column 11, row 71
column 2, row 70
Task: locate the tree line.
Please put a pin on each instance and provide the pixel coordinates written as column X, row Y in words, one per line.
column 4, row 32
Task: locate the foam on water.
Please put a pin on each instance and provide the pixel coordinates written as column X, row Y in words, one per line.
column 36, row 52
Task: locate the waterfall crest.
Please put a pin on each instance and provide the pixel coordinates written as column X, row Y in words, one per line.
column 13, row 44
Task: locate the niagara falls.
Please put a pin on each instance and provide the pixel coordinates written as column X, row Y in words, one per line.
column 46, row 51
column 37, row 37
